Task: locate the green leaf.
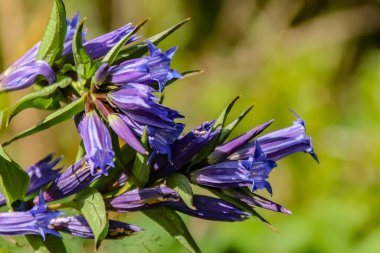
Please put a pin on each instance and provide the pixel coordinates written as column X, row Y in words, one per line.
column 141, row 168
column 81, row 151
column 52, row 42
column 85, row 66
column 90, row 203
column 226, row 131
column 52, row 244
column 181, row 184
column 174, row 225
column 114, row 52
column 57, row 117
column 14, row 181
column 41, row 99
column 141, row 48
column 2, row 112
column 223, row 116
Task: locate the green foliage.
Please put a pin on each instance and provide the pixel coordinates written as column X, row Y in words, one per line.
column 181, row 184
column 14, row 180
column 174, row 225
column 57, row 117
column 90, row 203
column 44, row 98
column 141, row 168
column 85, row 66
column 52, row 42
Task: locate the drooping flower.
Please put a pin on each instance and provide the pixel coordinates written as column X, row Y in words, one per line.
column 140, row 199
column 210, row 208
column 146, row 70
column 35, row 221
column 97, row 141
column 251, row 172
column 132, row 108
column 78, row 226
column 24, row 76
column 25, row 71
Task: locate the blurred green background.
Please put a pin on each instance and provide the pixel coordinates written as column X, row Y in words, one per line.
column 320, row 58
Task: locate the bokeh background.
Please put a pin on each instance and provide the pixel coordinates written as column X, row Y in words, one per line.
column 318, row 57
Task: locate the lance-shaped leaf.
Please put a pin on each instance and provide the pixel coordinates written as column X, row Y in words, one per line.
column 141, row 167
column 52, row 42
column 181, row 184
column 226, row 131
column 141, row 48
column 55, row 118
column 114, row 52
column 174, row 225
column 14, row 180
column 40, row 99
column 91, row 205
column 84, row 64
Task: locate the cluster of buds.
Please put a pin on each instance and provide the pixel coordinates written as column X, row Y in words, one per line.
column 133, row 152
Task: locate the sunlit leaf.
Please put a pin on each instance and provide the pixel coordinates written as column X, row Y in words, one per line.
column 52, row 41
column 14, row 181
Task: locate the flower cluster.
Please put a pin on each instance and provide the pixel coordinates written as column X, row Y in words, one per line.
column 133, row 155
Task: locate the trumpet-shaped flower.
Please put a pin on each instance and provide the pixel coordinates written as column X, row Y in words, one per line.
column 97, row 141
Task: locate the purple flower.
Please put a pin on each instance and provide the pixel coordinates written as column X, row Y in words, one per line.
column 78, row 226
column 222, row 152
column 185, row 149
column 139, row 199
column 40, row 175
column 71, row 181
column 139, row 110
column 122, row 129
column 252, row 172
column 97, row 141
column 99, row 46
column 281, row 143
column 24, row 76
column 25, row 71
column 210, row 208
column 35, row 221
column 146, row 70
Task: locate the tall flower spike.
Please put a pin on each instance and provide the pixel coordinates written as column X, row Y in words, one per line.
column 146, row 70
column 78, row 226
column 36, row 221
column 97, row 141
